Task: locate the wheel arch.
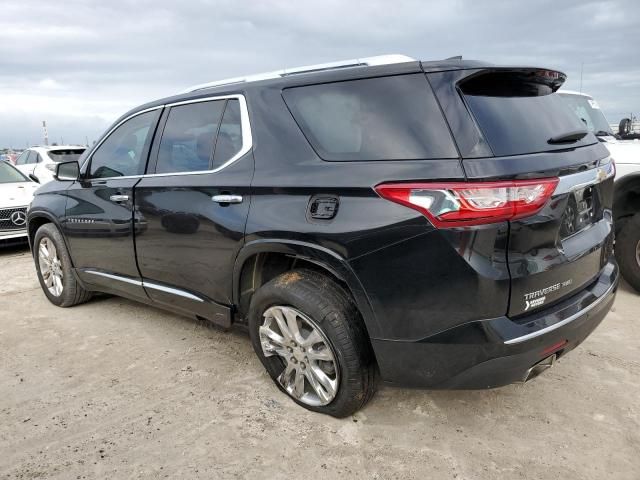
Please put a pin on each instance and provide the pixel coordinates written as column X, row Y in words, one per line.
column 38, row 218
column 254, row 255
column 626, row 197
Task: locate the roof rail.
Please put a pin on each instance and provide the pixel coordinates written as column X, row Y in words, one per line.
column 355, row 62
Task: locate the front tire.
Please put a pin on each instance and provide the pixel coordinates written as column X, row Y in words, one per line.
column 309, row 335
column 628, row 251
column 53, row 266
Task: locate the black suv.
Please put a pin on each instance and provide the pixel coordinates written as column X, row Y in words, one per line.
column 438, row 224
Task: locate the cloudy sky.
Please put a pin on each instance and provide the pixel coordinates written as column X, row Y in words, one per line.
column 80, row 64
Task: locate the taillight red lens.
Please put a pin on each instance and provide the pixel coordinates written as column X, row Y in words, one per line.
column 471, row 203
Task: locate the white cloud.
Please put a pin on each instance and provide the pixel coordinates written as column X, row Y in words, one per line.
column 82, row 63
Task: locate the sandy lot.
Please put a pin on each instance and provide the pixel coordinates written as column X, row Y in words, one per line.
column 113, row 389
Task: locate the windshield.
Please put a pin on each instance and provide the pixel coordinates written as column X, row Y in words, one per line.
column 9, row 174
column 589, row 112
column 66, row 155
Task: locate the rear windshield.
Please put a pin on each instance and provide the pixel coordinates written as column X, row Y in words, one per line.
column 588, row 111
column 387, row 118
column 520, row 116
column 67, row 155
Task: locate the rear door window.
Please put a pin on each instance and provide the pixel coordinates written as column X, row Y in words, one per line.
column 518, row 115
column 386, row 118
column 189, row 137
column 229, row 141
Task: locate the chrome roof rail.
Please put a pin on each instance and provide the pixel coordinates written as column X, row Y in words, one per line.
column 355, row 62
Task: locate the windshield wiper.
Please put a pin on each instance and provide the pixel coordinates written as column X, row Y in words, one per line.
column 603, row 133
column 568, row 137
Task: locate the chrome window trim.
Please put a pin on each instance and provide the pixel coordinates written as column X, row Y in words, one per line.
column 146, row 284
column 245, row 126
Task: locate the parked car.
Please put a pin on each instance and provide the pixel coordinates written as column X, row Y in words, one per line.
column 41, row 161
column 16, row 192
column 441, row 224
column 626, row 205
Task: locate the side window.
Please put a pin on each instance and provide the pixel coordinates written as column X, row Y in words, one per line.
column 32, row 158
column 22, row 159
column 122, row 153
column 189, row 136
column 38, row 158
column 229, row 140
column 385, row 118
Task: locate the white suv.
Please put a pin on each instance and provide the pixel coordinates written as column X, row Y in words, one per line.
column 41, row 161
column 626, row 205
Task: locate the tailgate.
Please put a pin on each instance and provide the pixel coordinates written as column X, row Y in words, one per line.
column 532, row 133
column 563, row 248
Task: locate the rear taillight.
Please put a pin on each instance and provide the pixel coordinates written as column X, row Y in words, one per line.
column 469, row 203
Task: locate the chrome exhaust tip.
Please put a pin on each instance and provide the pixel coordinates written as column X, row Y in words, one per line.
column 539, row 367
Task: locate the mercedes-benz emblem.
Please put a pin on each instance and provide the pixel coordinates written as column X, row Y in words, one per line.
column 19, row 218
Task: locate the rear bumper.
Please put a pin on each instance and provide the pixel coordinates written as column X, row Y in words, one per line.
column 498, row 351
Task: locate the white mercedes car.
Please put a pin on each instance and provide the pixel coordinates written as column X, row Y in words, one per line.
column 626, row 204
column 41, row 161
column 16, row 193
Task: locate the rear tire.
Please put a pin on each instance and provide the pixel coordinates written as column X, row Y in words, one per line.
column 53, row 266
column 315, row 303
column 628, row 251
column 624, row 127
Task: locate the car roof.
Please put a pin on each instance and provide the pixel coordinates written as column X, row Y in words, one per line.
column 369, row 67
column 572, row 92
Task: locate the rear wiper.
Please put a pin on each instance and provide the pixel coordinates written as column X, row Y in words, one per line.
column 568, row 137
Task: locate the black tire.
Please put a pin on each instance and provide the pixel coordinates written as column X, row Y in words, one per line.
column 334, row 312
column 627, row 243
column 624, row 127
column 72, row 291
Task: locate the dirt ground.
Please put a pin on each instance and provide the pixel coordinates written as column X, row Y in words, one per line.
column 114, row 389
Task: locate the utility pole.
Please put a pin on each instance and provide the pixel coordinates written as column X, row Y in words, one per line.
column 46, row 135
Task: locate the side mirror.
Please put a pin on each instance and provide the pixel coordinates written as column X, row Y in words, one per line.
column 34, row 178
column 67, row 171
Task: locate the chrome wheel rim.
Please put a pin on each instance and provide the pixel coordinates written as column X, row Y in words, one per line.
column 50, row 266
column 310, row 373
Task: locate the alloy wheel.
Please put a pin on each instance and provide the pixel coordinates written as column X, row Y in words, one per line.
column 310, row 370
column 50, row 266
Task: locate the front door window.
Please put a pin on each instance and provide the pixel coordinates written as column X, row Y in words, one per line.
column 121, row 154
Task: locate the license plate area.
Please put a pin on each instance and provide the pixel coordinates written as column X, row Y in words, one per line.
column 582, row 211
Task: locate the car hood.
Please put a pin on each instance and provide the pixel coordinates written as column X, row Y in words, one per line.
column 16, row 194
column 623, row 151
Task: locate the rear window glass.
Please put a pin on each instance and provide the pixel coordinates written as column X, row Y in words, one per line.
column 189, row 136
column 229, row 141
column 65, row 155
column 521, row 118
column 387, row 118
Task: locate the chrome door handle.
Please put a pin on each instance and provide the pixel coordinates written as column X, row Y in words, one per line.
column 227, row 198
column 119, row 198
